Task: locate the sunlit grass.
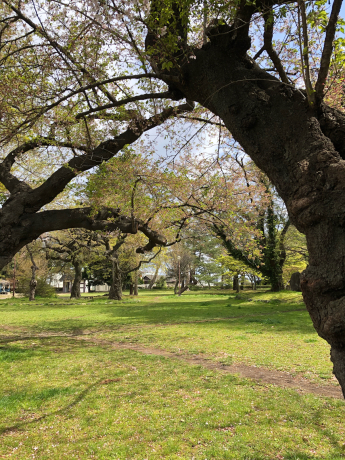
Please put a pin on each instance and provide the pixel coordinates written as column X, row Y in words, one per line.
column 64, row 398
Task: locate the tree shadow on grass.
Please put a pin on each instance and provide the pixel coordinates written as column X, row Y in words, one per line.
column 61, row 411
column 13, row 353
column 10, row 354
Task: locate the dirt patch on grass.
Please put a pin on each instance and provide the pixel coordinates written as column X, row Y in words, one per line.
column 259, row 374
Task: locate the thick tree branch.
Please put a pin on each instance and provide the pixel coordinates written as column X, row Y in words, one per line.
column 106, row 219
column 106, row 150
column 11, row 182
column 327, row 49
column 10, row 159
column 332, row 123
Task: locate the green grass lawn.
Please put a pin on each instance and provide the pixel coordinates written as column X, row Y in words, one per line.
column 61, row 397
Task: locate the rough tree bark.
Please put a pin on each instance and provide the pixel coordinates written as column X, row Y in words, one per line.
column 115, row 291
column 131, row 288
column 242, row 283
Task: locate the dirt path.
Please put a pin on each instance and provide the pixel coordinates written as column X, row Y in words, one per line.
column 259, row 374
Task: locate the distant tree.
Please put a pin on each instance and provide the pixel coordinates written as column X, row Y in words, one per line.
column 297, row 256
column 31, row 271
column 34, row 268
column 205, row 249
column 181, row 268
column 266, row 251
column 236, row 269
column 117, row 262
column 71, row 247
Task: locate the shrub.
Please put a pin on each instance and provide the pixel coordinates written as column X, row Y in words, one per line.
column 43, row 289
column 161, row 283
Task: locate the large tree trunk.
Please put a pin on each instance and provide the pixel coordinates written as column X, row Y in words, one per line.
column 276, row 280
column 242, row 282
column 115, row 291
column 323, row 288
column 75, row 291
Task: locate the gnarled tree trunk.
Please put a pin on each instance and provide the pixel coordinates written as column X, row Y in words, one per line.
column 33, row 281
column 33, row 284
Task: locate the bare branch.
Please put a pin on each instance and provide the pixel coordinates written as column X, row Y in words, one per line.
column 141, row 97
column 327, row 49
column 143, row 262
column 62, row 50
column 268, row 46
column 203, row 120
column 305, row 53
column 259, row 53
column 108, row 219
